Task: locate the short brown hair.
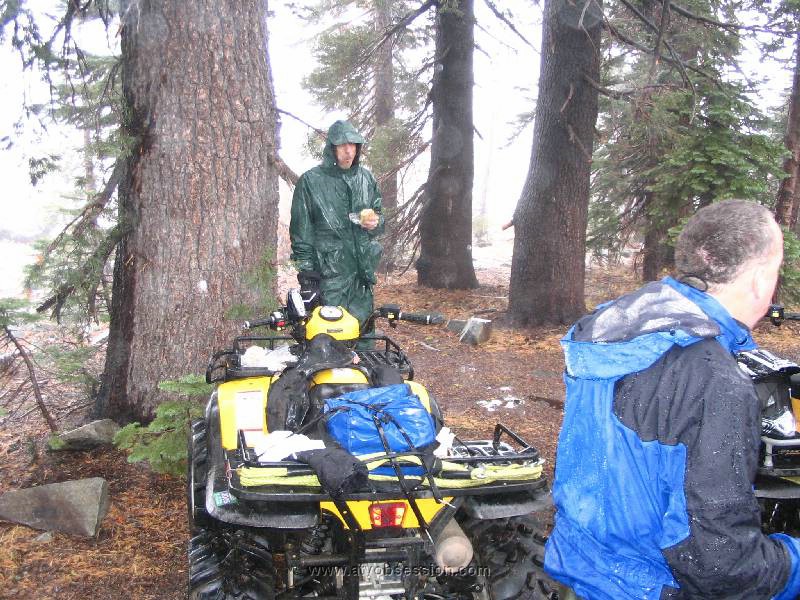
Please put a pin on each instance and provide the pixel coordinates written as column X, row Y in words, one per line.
column 720, row 238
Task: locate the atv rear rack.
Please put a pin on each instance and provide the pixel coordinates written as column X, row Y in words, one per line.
column 467, row 459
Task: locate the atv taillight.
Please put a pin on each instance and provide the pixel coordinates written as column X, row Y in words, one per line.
column 387, row 514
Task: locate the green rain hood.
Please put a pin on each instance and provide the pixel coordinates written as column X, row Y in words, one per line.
column 323, row 238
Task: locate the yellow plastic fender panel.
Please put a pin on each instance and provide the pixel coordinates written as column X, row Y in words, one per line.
column 419, row 390
column 242, row 405
column 333, row 320
column 428, row 508
column 335, row 376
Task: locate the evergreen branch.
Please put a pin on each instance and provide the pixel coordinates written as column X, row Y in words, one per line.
column 317, row 130
column 88, row 216
column 407, row 161
column 99, row 256
column 676, row 59
column 633, row 43
column 284, row 171
column 657, row 48
column 685, row 12
column 400, row 25
column 37, row 392
column 616, row 94
column 508, row 23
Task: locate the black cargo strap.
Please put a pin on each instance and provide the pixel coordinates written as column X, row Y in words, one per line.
column 387, row 417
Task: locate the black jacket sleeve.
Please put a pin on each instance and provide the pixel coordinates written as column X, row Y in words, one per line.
column 697, row 396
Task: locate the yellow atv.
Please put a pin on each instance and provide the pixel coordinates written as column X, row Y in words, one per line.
column 322, row 469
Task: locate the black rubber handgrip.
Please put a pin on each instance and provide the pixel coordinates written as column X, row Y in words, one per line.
column 259, row 323
column 424, row 318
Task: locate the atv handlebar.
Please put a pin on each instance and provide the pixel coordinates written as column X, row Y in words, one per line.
column 424, row 318
column 393, row 313
column 276, row 319
column 778, row 315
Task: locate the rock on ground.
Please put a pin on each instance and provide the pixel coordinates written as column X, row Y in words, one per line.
column 91, row 435
column 77, row 507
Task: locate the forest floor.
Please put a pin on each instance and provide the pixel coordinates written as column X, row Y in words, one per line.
column 140, row 551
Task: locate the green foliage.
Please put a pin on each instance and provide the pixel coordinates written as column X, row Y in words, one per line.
column 191, row 386
column 69, row 365
column 667, row 151
column 162, row 443
column 15, row 312
column 55, row 443
column 39, row 167
column 349, row 67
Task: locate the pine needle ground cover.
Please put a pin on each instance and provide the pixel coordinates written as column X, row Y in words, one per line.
column 140, row 552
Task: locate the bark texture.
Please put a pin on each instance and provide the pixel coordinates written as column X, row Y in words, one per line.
column 446, row 222
column 384, row 94
column 786, row 206
column 547, row 269
column 199, row 203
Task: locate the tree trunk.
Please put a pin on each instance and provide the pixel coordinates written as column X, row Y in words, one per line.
column 384, row 95
column 199, row 203
column 384, row 118
column 446, row 222
column 547, row 268
column 786, row 205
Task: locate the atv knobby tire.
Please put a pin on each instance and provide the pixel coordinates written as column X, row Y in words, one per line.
column 225, row 563
column 509, row 556
column 230, row 564
column 196, row 477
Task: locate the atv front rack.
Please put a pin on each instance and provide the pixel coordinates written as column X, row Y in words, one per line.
column 226, row 365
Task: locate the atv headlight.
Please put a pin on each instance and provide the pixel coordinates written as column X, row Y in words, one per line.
column 783, row 424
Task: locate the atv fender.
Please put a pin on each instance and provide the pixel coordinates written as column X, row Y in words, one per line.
column 503, row 506
column 223, row 506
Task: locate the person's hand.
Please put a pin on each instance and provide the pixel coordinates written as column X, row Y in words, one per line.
column 369, row 219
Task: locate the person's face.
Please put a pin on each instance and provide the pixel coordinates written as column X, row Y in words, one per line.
column 345, row 155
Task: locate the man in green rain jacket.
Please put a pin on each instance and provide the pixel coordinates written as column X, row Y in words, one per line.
column 334, row 253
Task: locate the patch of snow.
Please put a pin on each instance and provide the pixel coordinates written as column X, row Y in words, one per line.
column 490, row 405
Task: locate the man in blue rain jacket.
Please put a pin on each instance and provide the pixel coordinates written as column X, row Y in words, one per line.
column 659, row 446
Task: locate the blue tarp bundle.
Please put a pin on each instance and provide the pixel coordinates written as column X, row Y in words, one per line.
column 398, row 410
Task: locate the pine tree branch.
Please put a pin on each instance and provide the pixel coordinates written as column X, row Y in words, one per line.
column 92, row 210
column 400, row 25
column 676, row 59
column 657, row 48
column 99, row 256
column 284, row 171
column 508, row 23
column 37, row 392
column 633, row 43
column 317, row 130
column 685, row 12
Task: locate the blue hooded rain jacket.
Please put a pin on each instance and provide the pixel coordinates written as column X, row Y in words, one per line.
column 657, row 454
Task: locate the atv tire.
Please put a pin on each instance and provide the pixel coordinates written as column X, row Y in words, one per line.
column 233, row 564
column 509, row 556
column 196, row 477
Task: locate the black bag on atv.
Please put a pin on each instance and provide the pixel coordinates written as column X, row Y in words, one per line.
column 289, row 406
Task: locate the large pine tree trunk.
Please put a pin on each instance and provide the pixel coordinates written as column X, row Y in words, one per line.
column 786, row 205
column 384, row 95
column 199, row 204
column 547, row 269
column 446, row 223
